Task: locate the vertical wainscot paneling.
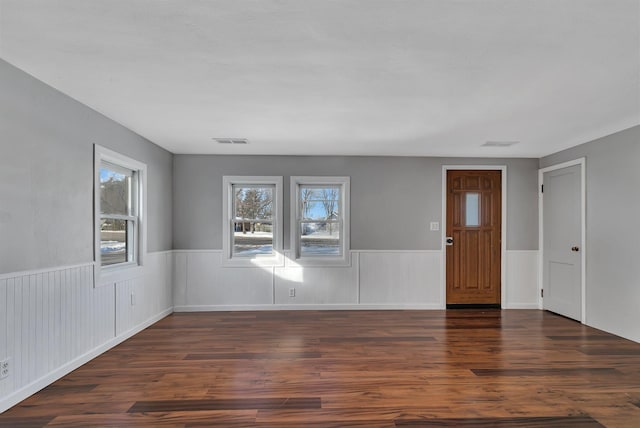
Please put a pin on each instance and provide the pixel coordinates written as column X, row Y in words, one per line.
column 141, row 297
column 401, row 278
column 127, row 293
column 47, row 322
column 522, row 279
column 52, row 321
column 103, row 306
column 157, row 292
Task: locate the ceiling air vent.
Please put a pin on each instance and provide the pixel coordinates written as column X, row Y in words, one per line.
column 231, row 140
column 500, row 143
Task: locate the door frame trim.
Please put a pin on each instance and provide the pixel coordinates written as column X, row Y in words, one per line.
column 503, row 231
column 583, row 231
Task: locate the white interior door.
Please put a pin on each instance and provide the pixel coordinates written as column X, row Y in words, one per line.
column 562, row 235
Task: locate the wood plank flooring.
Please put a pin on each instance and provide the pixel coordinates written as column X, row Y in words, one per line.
column 374, row 369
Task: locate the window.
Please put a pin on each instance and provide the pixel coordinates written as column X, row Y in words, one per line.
column 252, row 221
column 320, row 220
column 472, row 209
column 119, row 184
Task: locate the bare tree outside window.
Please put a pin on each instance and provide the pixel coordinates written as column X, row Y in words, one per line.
column 253, row 220
column 306, row 195
column 253, row 204
column 329, row 202
column 320, row 206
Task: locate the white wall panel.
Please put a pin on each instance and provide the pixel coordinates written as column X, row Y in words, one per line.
column 317, row 285
column 51, row 321
column 125, row 311
column 375, row 279
column 157, row 292
column 522, row 280
column 3, row 328
column 209, row 282
column 179, row 278
column 401, row 277
column 103, row 307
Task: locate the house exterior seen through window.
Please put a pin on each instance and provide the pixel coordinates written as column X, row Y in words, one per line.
column 320, row 219
column 118, row 214
column 119, row 184
column 252, row 221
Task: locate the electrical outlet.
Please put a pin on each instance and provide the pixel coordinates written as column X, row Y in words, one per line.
column 434, row 226
column 292, row 292
column 4, row 368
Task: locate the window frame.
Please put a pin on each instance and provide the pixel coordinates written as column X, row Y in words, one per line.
column 137, row 240
column 257, row 260
column 344, row 259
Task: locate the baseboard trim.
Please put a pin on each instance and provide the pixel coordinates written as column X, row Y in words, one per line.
column 35, row 386
column 314, row 307
column 522, row 306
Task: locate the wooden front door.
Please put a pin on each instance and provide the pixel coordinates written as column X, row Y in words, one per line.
column 473, row 243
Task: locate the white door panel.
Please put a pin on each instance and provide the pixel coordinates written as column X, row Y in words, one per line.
column 562, row 234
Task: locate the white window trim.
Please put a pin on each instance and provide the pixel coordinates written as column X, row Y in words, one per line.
column 345, row 200
column 109, row 274
column 277, row 259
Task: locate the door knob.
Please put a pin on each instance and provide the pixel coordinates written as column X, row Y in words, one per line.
column 575, row 249
column 449, row 240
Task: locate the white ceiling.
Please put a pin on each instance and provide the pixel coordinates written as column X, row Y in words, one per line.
column 352, row 77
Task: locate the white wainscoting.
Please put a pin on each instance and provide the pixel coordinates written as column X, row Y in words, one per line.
column 203, row 284
column 54, row 320
column 316, row 285
column 522, row 280
column 374, row 280
column 406, row 278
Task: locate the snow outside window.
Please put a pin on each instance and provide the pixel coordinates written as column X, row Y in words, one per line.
column 252, row 221
column 320, row 220
column 118, row 208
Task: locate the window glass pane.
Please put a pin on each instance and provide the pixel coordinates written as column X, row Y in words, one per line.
column 115, row 191
column 319, row 238
column 113, row 241
column 253, row 202
column 252, row 238
column 472, row 209
column 320, row 203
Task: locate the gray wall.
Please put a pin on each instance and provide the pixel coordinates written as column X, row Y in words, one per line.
column 613, row 240
column 384, row 190
column 46, row 175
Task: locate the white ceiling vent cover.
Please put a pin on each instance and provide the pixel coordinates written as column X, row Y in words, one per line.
column 500, row 143
column 231, row 140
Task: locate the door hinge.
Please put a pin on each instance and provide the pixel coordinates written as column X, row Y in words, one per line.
column 542, row 188
column 542, row 292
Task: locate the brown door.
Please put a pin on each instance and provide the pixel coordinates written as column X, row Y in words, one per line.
column 474, row 218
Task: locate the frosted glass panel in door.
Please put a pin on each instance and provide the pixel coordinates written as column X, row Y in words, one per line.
column 472, row 209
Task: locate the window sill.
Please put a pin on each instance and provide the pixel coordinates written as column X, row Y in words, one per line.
column 322, row 261
column 112, row 274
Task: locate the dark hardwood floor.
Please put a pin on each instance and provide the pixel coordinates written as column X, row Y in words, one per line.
column 462, row 368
